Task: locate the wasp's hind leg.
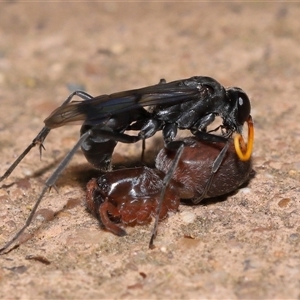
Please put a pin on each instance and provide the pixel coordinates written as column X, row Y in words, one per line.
column 39, row 139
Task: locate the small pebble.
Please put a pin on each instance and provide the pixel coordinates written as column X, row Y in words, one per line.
column 163, row 249
column 284, row 202
column 188, row 216
column 245, row 190
column 45, row 214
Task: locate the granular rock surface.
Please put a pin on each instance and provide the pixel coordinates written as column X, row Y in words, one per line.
column 244, row 246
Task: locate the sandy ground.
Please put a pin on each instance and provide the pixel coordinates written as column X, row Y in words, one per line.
column 244, row 247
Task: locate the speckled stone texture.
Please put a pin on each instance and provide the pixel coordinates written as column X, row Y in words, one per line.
column 244, row 247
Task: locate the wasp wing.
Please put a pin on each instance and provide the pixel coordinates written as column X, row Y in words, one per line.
column 103, row 107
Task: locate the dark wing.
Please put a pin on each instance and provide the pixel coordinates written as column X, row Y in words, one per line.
column 104, row 107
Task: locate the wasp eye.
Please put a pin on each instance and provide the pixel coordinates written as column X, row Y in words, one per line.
column 241, row 103
column 244, row 108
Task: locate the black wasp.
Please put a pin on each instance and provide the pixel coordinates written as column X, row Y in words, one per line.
column 183, row 104
column 191, row 103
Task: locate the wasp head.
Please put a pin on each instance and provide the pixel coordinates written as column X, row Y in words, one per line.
column 237, row 110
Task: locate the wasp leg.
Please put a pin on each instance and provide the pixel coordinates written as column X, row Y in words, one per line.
column 172, row 146
column 50, row 182
column 180, row 147
column 215, row 167
column 208, row 137
column 39, row 139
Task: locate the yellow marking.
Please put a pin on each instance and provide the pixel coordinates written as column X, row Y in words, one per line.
column 242, row 149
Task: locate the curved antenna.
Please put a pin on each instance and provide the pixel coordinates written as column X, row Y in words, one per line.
column 243, row 150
